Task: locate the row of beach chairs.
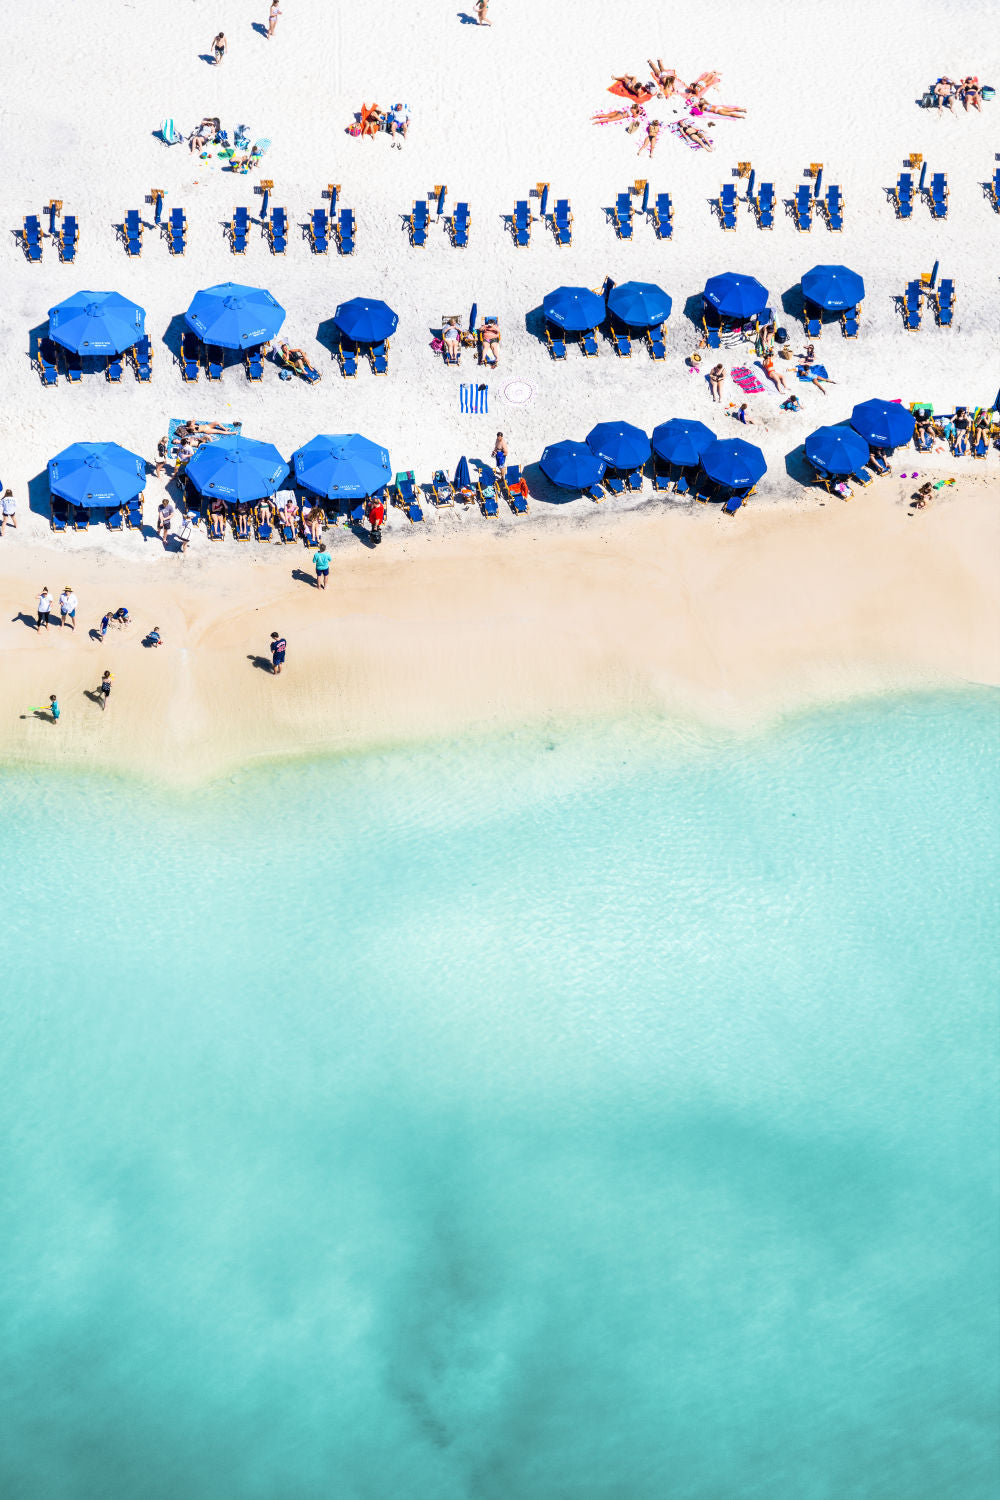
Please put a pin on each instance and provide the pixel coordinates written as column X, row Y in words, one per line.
column 67, row 238
column 831, row 206
column 941, row 298
column 348, row 354
column 812, row 316
column 621, row 341
column 457, row 224
column 660, row 215
column 560, row 221
column 936, row 193
column 174, row 227
column 52, row 360
column 195, row 356
column 63, row 516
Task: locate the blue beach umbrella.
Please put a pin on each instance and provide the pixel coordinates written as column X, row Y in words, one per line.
column 236, row 468
column 621, row 445
column 96, row 323
column 342, row 466
column 681, row 441
column 366, row 320
column 640, row 304
column 97, row 474
column 838, row 450
column 833, row 288
column 883, row 424
column 463, row 479
column 733, row 463
column 734, row 295
column 572, row 466
column 234, row 316
column 573, row 308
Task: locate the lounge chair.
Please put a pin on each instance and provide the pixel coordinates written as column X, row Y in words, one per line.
column 239, row 229
column 31, row 237
column 176, row 232
column 621, row 216
column 663, row 216
column 613, row 483
column 993, row 190
column 132, row 232
column 727, row 204
column 802, row 208
column 318, row 230
column 849, row 322
column 862, row 477
column 379, row 356
column 262, row 526
column 764, row 204
column 254, row 361
column 682, row 485
column 834, row 208
column 58, row 513
column 142, row 359
column 596, row 492
column 911, row 306
column 733, row 503
column 622, row 343
column 713, row 328
column 491, row 322
column 486, row 491
column 661, row 481
column 345, row 231
column 74, row 366
column 347, row 355
column 81, row 518
column 213, row 362
column 418, row 221
column 521, row 222
column 517, row 501
column 69, row 238
column 634, row 480
column 556, row 343
column 133, row 514
column 408, row 500
column 878, row 462
column 946, row 302
column 287, row 530
column 215, row 521
column 116, row 519
column 277, row 229
column 442, row 490
column 47, row 360
column 115, row 368
column 938, row 194
column 190, row 355
column 656, row 342
column 813, row 320
column 703, row 488
column 459, row 225
column 588, row 344
column 902, row 195
column 562, row 222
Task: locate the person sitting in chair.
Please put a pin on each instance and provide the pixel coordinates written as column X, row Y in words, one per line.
column 296, row 360
column 489, row 344
column 451, row 338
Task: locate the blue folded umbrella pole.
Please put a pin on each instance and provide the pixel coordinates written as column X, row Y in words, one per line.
column 681, row 441
column 463, row 478
column 621, row 445
column 639, row 304
column 733, row 463
column 236, row 468
column 572, row 466
column 838, row 450
column 96, row 323
column 573, row 308
column 234, row 316
column 833, row 288
column 366, row 320
column 734, row 295
column 97, row 474
column 342, row 466
column 883, row 424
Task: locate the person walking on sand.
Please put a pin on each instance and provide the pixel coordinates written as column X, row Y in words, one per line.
column 44, row 606
column 164, row 516
column 161, row 457
column 321, row 562
column 272, row 19
column 499, row 455
column 278, row 648
column 482, row 6
column 67, row 607
column 8, row 511
column 219, row 48
column 105, row 690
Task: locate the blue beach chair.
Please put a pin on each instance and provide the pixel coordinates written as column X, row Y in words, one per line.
column 622, row 343
column 81, row 518
column 712, row 325
column 849, row 322
column 562, row 222
column 133, row 514
column 727, row 204
column 663, row 216
column 58, row 513
column 661, row 481
column 347, row 355
column 132, row 232
column 862, row 477
column 69, row 237
column 277, row 229
column 459, row 225
column 31, row 236
column 254, row 361
column 516, row 501
column 287, row 530
column 911, row 306
column 262, row 526
column 190, row 355
column 213, row 362
column 939, row 196
column 814, row 320
column 47, row 360
column 946, row 302
column 319, row 231
column 408, row 499
column 682, row 484
column 521, row 222
column 442, row 491
column 764, row 204
column 902, row 195
column 622, row 216
column 588, row 344
column 142, row 358
column 239, row 229
column 596, row 492
column 379, row 356
column 614, row 483
column 486, row 491
column 116, row 519
column 834, row 208
column 802, row 208
column 418, row 221
column 345, row 231
column 556, row 343
column 115, row 368
column 655, row 339
column 733, row 503
column 74, row 366
column 177, row 232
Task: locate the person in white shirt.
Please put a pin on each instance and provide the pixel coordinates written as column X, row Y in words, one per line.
column 7, row 511
column 44, row 605
column 185, row 533
column 164, row 516
column 67, row 607
column 399, row 123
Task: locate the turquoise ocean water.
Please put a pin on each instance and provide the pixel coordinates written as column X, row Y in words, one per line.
column 598, row 1116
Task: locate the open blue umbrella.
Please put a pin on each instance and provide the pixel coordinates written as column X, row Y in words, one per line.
column 97, row 474
column 366, row 320
column 838, row 450
column 342, row 466
column 96, row 323
column 234, row 316
column 734, row 295
column 463, row 479
column 236, row 468
column 883, row 424
column 833, row 288
column 573, row 308
column 621, row 445
column 572, row 466
column 640, row 304
column 681, row 441
column 733, row 463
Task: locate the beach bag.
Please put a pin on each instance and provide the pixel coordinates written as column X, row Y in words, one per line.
column 437, row 345
column 354, row 130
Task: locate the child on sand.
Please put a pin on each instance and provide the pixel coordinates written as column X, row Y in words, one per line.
column 105, row 690
column 278, row 648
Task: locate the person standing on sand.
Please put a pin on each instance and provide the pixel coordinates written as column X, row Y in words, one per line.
column 272, row 19
column 164, row 516
column 8, row 509
column 67, row 607
column 105, row 690
column 278, row 648
column 499, row 455
column 54, row 708
column 376, row 516
column 161, row 457
column 44, row 605
column 321, row 562
column 219, row 46
column 482, row 6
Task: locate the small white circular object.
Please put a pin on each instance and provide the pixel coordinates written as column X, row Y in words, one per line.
column 517, row 392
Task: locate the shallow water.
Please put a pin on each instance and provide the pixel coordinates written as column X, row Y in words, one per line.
column 606, row 1115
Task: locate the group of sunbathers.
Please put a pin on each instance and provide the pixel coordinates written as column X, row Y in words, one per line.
column 665, row 84
column 240, row 155
column 967, row 90
column 961, row 432
column 485, row 339
column 370, row 120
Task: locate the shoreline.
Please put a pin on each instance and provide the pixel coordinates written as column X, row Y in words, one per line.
column 726, row 624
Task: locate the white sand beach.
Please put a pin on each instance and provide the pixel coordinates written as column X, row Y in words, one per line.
column 463, row 621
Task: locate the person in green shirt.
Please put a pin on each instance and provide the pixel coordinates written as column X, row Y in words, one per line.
column 321, row 560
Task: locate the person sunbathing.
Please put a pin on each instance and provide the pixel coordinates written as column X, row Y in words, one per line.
column 630, row 84
column 691, row 132
column 451, row 338
column 296, row 360
column 807, row 361
column 311, row 523
column 970, row 93
column 727, row 111
column 290, row 514
column 703, row 82
column 652, row 136
column 924, row 434
column 371, row 120
column 197, row 141
column 489, row 344
column 945, row 91
column 666, row 79
column 242, row 519
column 773, row 375
column 217, row 516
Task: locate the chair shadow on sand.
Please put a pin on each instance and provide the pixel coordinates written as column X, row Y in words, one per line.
column 260, row 29
column 261, row 662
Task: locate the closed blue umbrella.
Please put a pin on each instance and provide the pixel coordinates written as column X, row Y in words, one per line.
column 573, row 308
column 342, row 466
column 833, row 288
column 733, row 463
column 572, row 466
column 883, row 424
column 234, row 316
column 621, row 445
column 96, row 323
column 236, row 468
column 681, row 441
column 97, row 474
column 838, row 450
column 366, row 320
column 463, row 479
column 640, row 304
column 734, row 295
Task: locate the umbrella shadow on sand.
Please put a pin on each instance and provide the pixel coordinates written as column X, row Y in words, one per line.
column 694, row 306
column 793, row 303
column 797, row 467
column 328, row 335
column 38, row 494
column 173, row 334
column 35, row 336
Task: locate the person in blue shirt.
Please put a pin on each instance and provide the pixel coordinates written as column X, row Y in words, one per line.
column 321, row 561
